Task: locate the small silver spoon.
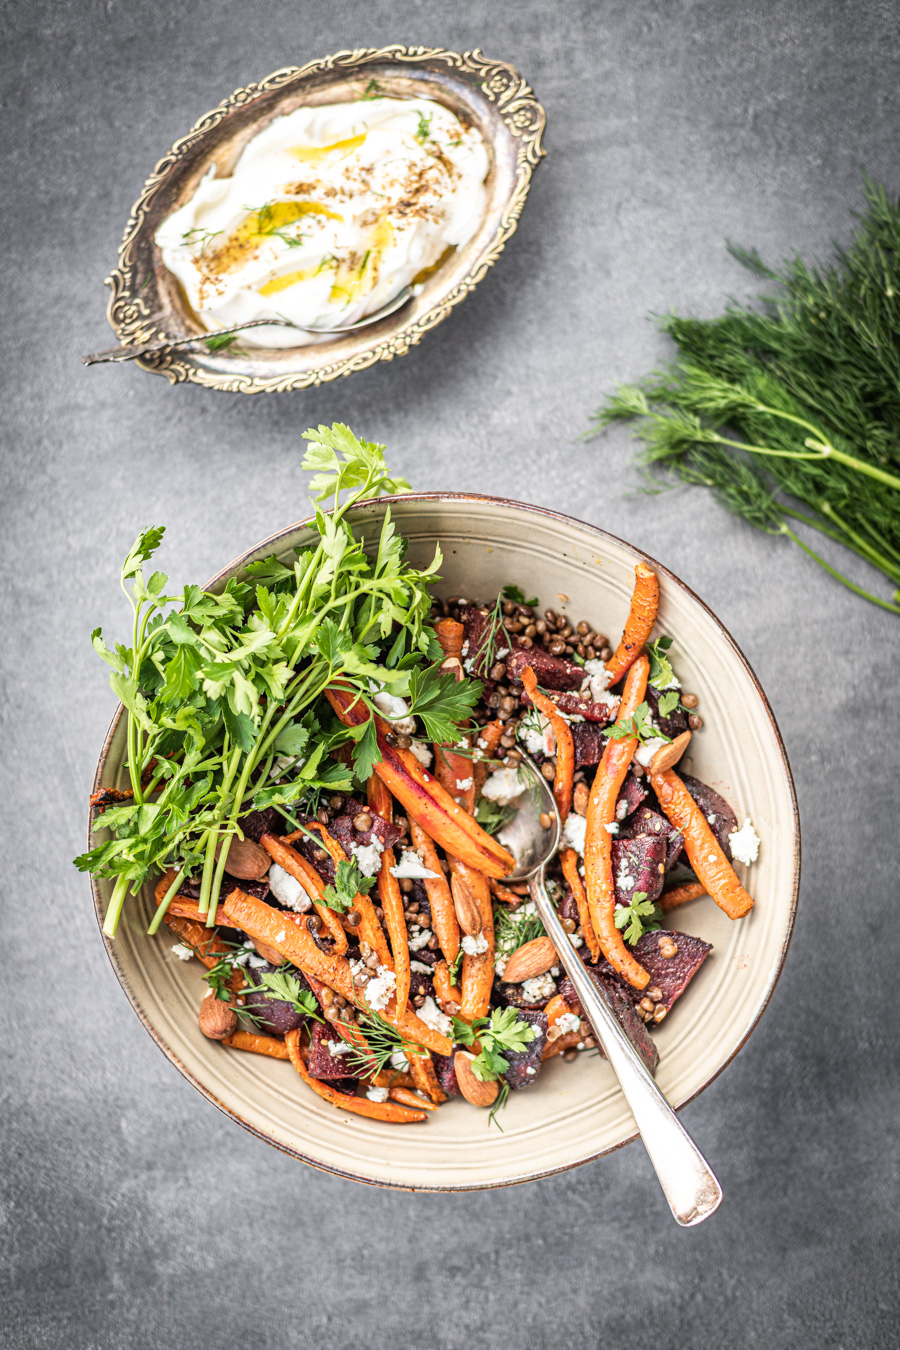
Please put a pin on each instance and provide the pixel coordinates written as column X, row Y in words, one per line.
column 687, row 1180
column 131, row 353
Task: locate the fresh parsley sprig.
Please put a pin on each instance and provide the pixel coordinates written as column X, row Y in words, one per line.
column 500, row 1032
column 348, row 883
column 638, row 917
column 286, row 988
column 640, row 724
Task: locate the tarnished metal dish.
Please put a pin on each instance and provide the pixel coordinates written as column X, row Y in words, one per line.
column 147, row 301
column 575, row 1113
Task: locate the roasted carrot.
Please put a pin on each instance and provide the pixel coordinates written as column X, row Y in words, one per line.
column 259, row 920
column 700, row 844
column 638, row 625
column 504, row 893
column 370, row 930
column 391, row 1112
column 180, row 906
column 450, row 635
column 565, row 748
column 424, row 799
column 486, row 742
column 601, row 892
column 451, row 769
column 679, row 895
column 312, row 883
column 555, row 1009
column 425, row 1078
column 259, row 1045
column 444, row 987
column 408, row 1098
column 389, row 893
column 566, row 1042
column 443, row 914
column 477, row 978
column 569, row 860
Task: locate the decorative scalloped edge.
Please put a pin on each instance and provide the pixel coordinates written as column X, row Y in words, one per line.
column 499, row 82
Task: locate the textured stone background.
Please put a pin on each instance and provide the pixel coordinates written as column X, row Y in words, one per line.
column 134, row 1214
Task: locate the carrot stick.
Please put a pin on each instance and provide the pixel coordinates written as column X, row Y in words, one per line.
column 407, row 1098
column 450, row 768
column 601, row 891
column 565, row 747
column 566, row 1042
column 444, row 987
column 425, row 800
column 425, row 1078
column 641, row 618
column 273, row 926
column 679, row 895
column 259, row 1045
column 569, row 859
column 503, row 893
column 392, row 1112
column 370, row 930
column 440, row 899
column 389, row 893
column 700, row 844
column 450, row 635
column 179, row 905
column 477, row 978
column 312, row 883
column 486, row 743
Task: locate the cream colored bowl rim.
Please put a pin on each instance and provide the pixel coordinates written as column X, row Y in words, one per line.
column 270, row 543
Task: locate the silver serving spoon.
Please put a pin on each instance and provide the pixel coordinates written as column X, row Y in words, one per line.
column 131, row 353
column 687, row 1180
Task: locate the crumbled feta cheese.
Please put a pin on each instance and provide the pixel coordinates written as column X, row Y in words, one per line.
column 624, row 879
column 536, row 734
column 250, row 957
column 468, row 664
column 474, row 946
column 574, row 832
column 503, row 785
column 744, row 843
column 465, row 647
column 575, row 940
column 411, row 865
column 539, row 987
column 368, row 856
column 338, row 1047
column 500, row 964
column 597, row 680
column 380, row 989
column 712, row 818
column 279, row 937
column 644, row 753
column 463, row 784
column 395, row 710
column 422, row 752
column 183, row 952
column 481, row 743
column 568, row 1022
column 431, row 1015
column 399, row 1061
column 421, row 967
column 554, row 971
column 418, row 937
column 501, row 652
column 531, row 1070
column 377, row 1094
column 621, row 808
column 287, row 890
column 612, row 827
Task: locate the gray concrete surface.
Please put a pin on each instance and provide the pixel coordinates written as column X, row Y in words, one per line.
column 134, row 1215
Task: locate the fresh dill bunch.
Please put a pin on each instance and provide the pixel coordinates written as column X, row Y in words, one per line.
column 383, row 1042
column 789, row 412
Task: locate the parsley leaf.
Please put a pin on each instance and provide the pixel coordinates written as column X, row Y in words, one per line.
column 661, row 676
column 502, row 1031
column 638, row 917
column 491, row 816
column 517, row 596
column 340, row 461
column 442, row 701
column 282, row 985
column 348, row 883
column 668, row 702
column 639, row 725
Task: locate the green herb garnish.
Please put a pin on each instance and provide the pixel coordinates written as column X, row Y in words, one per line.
column 661, row 673
column 348, row 883
column 640, row 724
column 501, row 1031
column 286, row 988
column 202, row 237
column 638, row 917
column 219, row 342
column 795, row 404
column 423, row 131
column 383, row 1041
column 517, row 596
column 491, row 816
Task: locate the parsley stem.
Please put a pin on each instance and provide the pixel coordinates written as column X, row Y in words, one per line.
column 111, row 921
column 166, row 901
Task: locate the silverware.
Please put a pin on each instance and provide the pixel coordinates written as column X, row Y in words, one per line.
column 132, row 352
column 687, row 1180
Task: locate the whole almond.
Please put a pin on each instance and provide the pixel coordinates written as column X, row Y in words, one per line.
column 580, row 798
column 670, row 754
column 268, row 953
column 217, row 1019
column 533, row 958
column 467, row 911
column 246, row 860
column 472, row 1088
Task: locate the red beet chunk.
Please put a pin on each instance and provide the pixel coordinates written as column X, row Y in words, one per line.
column 446, row 1073
column 476, row 645
column 552, row 671
column 589, row 743
column 639, row 864
column 274, row 1014
column 260, row 889
column 322, row 1063
column 521, row 1061
column 582, row 706
column 617, row 995
column 670, row 726
column 257, row 823
column 631, row 794
column 647, row 821
column 345, row 832
column 568, row 906
column 671, row 974
column 719, row 815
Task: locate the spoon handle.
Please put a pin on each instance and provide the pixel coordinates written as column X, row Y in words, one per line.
column 687, row 1180
column 133, row 352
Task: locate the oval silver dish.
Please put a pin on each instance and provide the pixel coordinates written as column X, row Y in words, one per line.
column 147, row 301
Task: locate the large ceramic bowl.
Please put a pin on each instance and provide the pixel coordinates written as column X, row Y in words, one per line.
column 575, row 1112
column 147, row 302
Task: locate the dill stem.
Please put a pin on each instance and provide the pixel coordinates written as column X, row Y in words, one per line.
column 863, row 550
column 879, row 559
column 845, row 581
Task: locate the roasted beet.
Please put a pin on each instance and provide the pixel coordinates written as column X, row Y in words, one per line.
column 568, row 907
column 672, row 725
column 446, row 1074
column 618, row 996
column 482, row 653
column 274, row 1014
column 322, row 1062
column 311, row 851
column 589, row 743
column 419, row 983
column 674, row 973
column 260, row 889
column 631, row 794
column 647, row 821
column 719, row 815
column 345, row 832
column 639, row 864
column 583, row 706
column 257, row 823
column 511, row 996
column 525, row 1065
column 553, row 672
